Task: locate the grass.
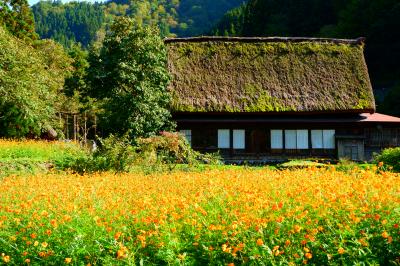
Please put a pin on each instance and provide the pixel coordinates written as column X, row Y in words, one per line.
column 30, row 156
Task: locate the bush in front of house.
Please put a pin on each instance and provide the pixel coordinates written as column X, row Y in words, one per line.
column 153, row 154
column 390, row 158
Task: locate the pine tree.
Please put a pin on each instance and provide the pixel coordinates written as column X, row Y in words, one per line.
column 17, row 18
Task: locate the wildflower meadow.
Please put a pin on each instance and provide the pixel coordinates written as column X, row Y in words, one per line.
column 215, row 217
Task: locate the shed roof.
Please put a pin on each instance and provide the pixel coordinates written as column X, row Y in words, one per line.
column 225, row 74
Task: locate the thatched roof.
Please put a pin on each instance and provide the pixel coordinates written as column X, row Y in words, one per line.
column 217, row 74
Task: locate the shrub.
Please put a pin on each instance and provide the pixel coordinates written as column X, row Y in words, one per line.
column 114, row 153
column 390, row 158
column 170, row 149
column 152, row 154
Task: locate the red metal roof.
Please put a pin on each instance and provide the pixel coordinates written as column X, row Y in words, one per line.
column 376, row 117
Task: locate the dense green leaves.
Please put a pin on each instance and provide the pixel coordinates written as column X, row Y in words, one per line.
column 68, row 23
column 31, row 81
column 130, row 74
column 197, row 17
column 86, row 22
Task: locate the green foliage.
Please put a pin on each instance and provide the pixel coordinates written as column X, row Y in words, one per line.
column 390, row 158
column 76, row 81
column 68, row 23
column 17, row 18
column 86, row 22
column 153, row 154
column 31, row 81
column 391, row 102
column 114, row 154
column 231, row 24
column 130, row 74
column 30, row 157
column 197, row 17
column 298, row 164
column 170, row 150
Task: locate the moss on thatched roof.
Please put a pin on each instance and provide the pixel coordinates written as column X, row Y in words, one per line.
column 268, row 75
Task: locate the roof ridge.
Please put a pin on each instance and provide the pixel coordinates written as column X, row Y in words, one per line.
column 359, row 41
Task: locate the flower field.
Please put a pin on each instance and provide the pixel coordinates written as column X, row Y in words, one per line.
column 231, row 217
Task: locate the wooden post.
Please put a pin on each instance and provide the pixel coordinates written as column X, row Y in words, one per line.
column 67, row 131
column 59, row 117
column 85, row 129
column 95, row 125
column 74, row 127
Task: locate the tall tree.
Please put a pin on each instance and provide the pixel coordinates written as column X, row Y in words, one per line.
column 17, row 17
column 130, row 74
column 31, row 81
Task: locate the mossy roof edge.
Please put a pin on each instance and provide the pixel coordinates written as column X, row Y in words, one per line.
column 359, row 41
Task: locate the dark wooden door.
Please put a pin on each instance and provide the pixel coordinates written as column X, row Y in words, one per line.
column 258, row 141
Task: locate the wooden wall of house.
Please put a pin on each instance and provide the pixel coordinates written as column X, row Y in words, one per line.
column 354, row 141
column 380, row 137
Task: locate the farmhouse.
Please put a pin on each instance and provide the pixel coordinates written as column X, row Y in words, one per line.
column 277, row 98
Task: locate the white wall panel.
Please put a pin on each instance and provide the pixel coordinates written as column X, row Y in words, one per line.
column 329, row 139
column 302, row 139
column 290, row 139
column 239, row 139
column 317, row 139
column 276, row 139
column 223, row 139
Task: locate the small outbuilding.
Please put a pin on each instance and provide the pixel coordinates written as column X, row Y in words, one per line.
column 267, row 99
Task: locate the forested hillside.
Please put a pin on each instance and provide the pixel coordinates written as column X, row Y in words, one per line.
column 81, row 21
column 378, row 21
column 68, row 23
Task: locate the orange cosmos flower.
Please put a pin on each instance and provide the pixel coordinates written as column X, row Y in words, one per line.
column 341, row 251
column 385, row 235
column 67, row 260
column 53, row 222
column 308, row 255
column 117, row 235
column 27, row 261
column 260, row 242
column 296, row 228
column 122, row 253
column 6, row 259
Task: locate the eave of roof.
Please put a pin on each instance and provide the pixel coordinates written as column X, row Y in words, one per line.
column 359, row 119
column 377, row 117
column 359, row 41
